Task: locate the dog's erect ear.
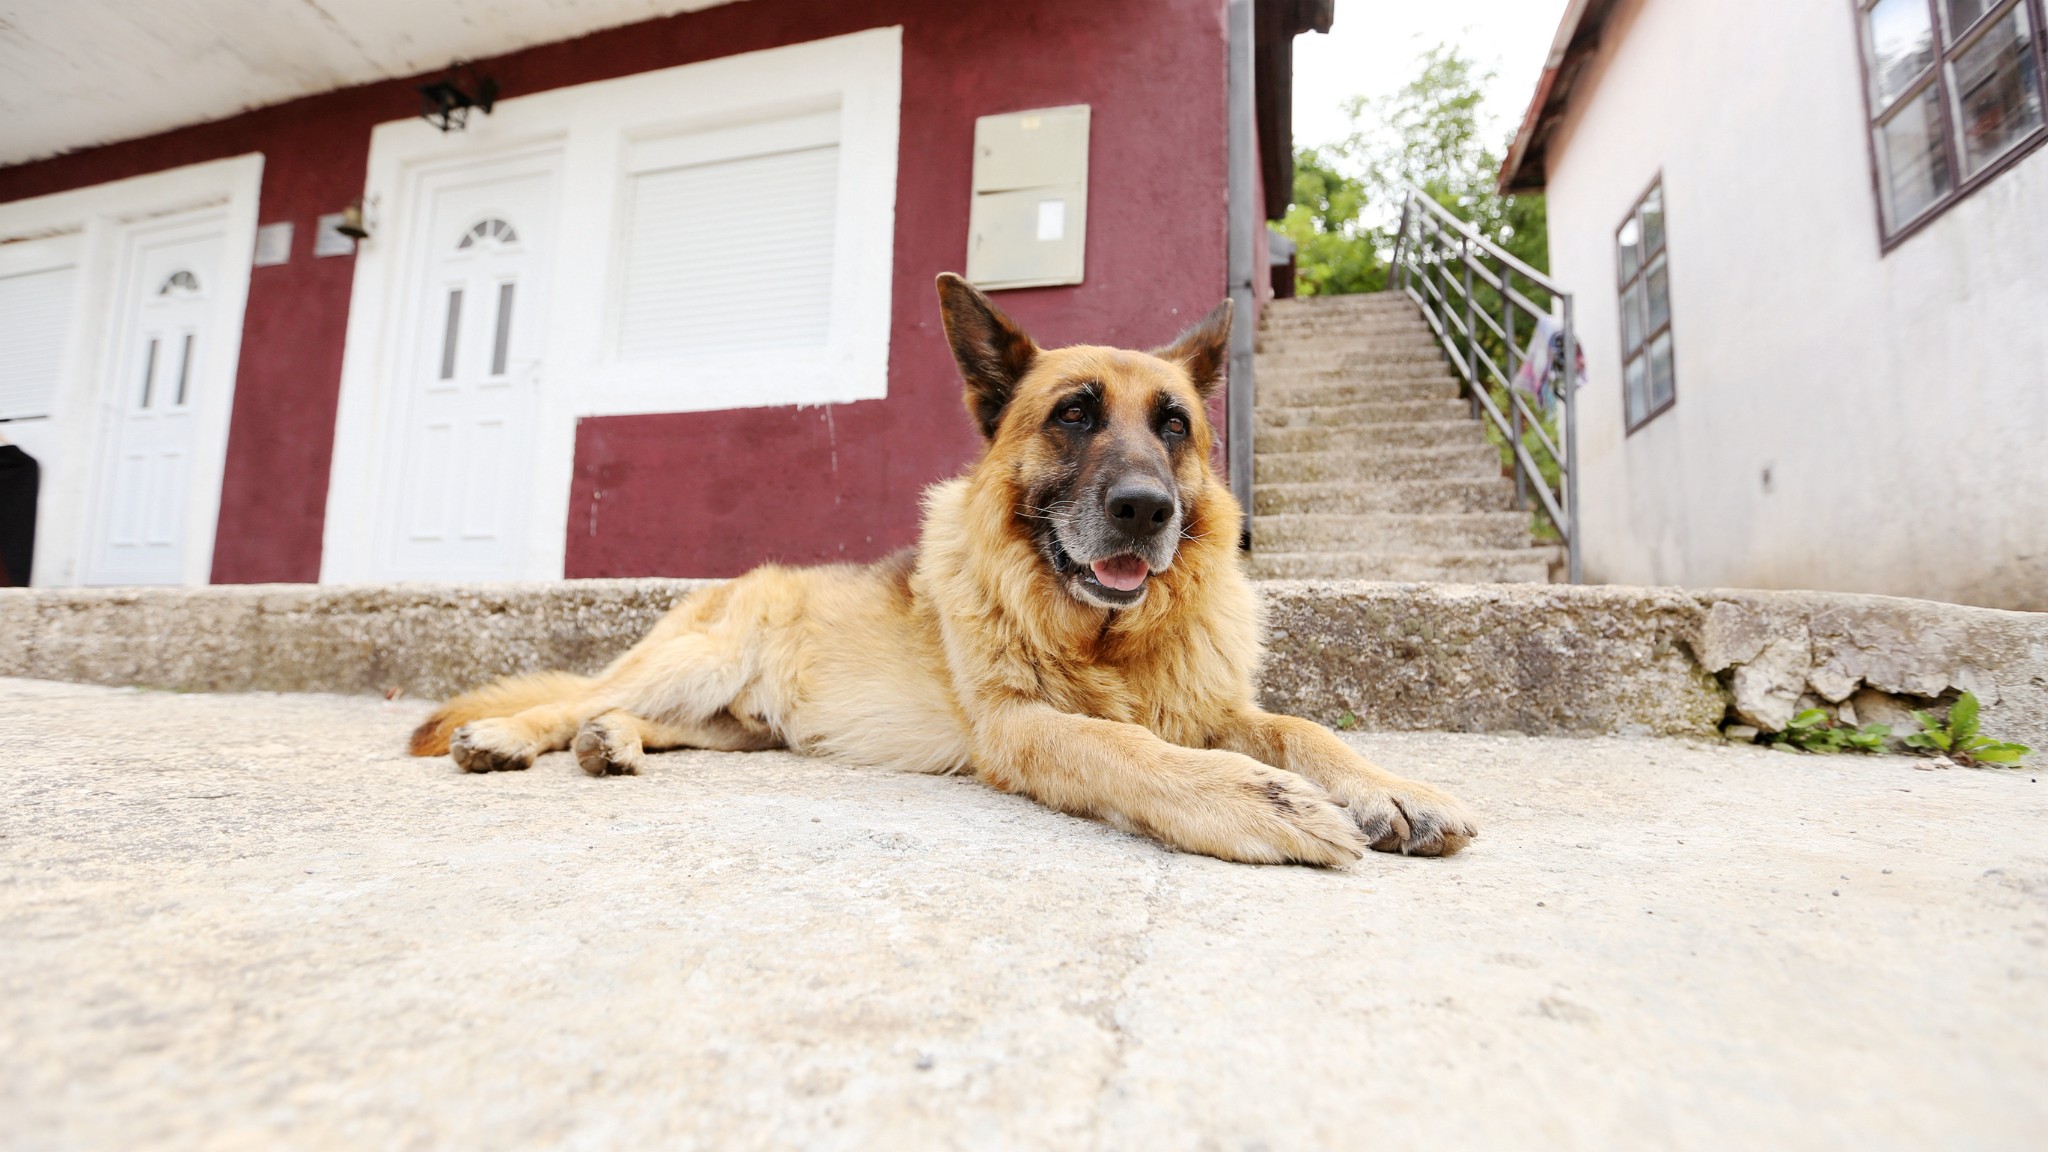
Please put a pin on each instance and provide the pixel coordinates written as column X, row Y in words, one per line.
column 1204, row 350
column 993, row 353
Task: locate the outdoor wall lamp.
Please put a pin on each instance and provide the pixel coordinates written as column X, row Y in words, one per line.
column 352, row 224
column 446, row 102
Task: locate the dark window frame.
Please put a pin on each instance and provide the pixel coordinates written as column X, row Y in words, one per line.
column 1641, row 276
column 1961, row 187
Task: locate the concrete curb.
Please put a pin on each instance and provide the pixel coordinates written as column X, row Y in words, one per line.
column 1455, row 657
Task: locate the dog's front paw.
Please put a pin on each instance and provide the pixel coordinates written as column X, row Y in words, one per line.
column 1300, row 822
column 490, row 746
column 1236, row 808
column 1412, row 819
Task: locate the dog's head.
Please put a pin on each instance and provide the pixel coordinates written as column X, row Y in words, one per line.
column 1107, row 449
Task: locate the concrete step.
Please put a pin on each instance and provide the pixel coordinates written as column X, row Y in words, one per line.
column 1495, row 494
column 1389, row 330
column 1527, row 566
column 1362, row 351
column 1342, row 368
column 1386, row 533
column 1336, row 391
column 1434, row 462
column 1373, row 412
column 1348, row 302
column 1465, row 434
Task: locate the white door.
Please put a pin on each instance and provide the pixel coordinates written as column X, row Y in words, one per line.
column 457, row 494
column 164, row 314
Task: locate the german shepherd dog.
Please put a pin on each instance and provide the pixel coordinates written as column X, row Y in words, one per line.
column 1074, row 624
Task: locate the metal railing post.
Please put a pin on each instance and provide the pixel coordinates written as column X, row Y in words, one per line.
column 1507, row 327
column 1568, row 472
column 1471, row 324
column 1399, row 268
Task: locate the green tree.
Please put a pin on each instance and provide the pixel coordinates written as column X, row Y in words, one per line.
column 1426, row 133
column 1334, row 251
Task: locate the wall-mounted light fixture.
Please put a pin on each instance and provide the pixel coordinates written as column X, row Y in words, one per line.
column 445, row 103
column 352, row 224
column 337, row 233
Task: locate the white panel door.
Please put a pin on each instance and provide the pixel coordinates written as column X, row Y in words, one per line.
column 459, row 488
column 164, row 313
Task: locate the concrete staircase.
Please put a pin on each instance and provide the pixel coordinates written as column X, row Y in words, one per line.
column 1367, row 464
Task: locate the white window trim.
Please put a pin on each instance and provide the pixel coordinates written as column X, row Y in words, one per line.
column 84, row 409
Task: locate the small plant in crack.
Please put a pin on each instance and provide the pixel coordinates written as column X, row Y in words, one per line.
column 1958, row 737
column 1812, row 731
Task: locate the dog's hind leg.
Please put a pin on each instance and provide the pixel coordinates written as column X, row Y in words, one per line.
column 511, row 743
column 615, row 743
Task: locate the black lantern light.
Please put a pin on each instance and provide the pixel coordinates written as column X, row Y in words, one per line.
column 446, row 102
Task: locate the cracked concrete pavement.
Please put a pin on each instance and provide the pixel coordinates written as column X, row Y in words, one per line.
column 250, row 921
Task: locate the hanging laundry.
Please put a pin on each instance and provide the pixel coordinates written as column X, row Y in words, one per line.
column 1542, row 363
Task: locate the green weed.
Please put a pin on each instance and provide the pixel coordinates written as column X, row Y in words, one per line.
column 1959, row 739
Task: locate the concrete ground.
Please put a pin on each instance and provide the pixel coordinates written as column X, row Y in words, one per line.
column 250, row 921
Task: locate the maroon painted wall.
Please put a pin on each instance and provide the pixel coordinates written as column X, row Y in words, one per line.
column 713, row 493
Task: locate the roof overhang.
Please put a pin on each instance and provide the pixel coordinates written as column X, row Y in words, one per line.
column 1571, row 50
column 1276, row 23
column 81, row 73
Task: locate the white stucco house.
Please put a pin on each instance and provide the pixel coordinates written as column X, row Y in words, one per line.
column 1809, row 249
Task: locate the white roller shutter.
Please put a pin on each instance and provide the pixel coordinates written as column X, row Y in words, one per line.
column 35, row 321
column 727, row 253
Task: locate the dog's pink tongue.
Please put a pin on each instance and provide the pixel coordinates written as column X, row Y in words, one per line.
column 1123, row 573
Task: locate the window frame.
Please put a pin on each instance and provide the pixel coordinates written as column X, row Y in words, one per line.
column 1622, row 284
column 1961, row 187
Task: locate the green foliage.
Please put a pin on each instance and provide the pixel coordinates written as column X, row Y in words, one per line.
column 1426, row 132
column 1812, row 731
column 1347, row 722
column 1334, row 252
column 1958, row 737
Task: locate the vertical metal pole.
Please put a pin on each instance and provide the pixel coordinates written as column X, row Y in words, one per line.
column 1243, row 225
column 1569, row 474
column 1472, row 376
column 1398, row 269
column 1425, row 242
column 1507, row 326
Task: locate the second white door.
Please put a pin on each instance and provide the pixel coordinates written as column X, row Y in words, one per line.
column 457, row 500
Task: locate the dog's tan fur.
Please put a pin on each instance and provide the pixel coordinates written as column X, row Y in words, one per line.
column 970, row 655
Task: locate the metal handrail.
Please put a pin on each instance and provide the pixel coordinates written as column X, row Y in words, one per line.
column 1437, row 255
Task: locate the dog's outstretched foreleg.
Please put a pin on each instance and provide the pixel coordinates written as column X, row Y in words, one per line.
column 1395, row 814
column 1202, row 800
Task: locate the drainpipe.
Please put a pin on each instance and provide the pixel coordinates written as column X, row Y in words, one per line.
column 1243, row 169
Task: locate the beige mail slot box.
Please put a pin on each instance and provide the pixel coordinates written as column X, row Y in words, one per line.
column 1028, row 224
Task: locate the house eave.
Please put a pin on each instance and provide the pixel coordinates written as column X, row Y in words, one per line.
column 86, row 73
column 1571, row 49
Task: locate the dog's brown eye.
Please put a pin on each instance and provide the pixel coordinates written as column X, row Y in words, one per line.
column 1073, row 414
column 1176, row 426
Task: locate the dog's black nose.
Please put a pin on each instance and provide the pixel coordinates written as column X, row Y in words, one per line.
column 1138, row 508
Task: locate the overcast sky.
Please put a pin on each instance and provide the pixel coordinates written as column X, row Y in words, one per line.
column 1373, row 46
